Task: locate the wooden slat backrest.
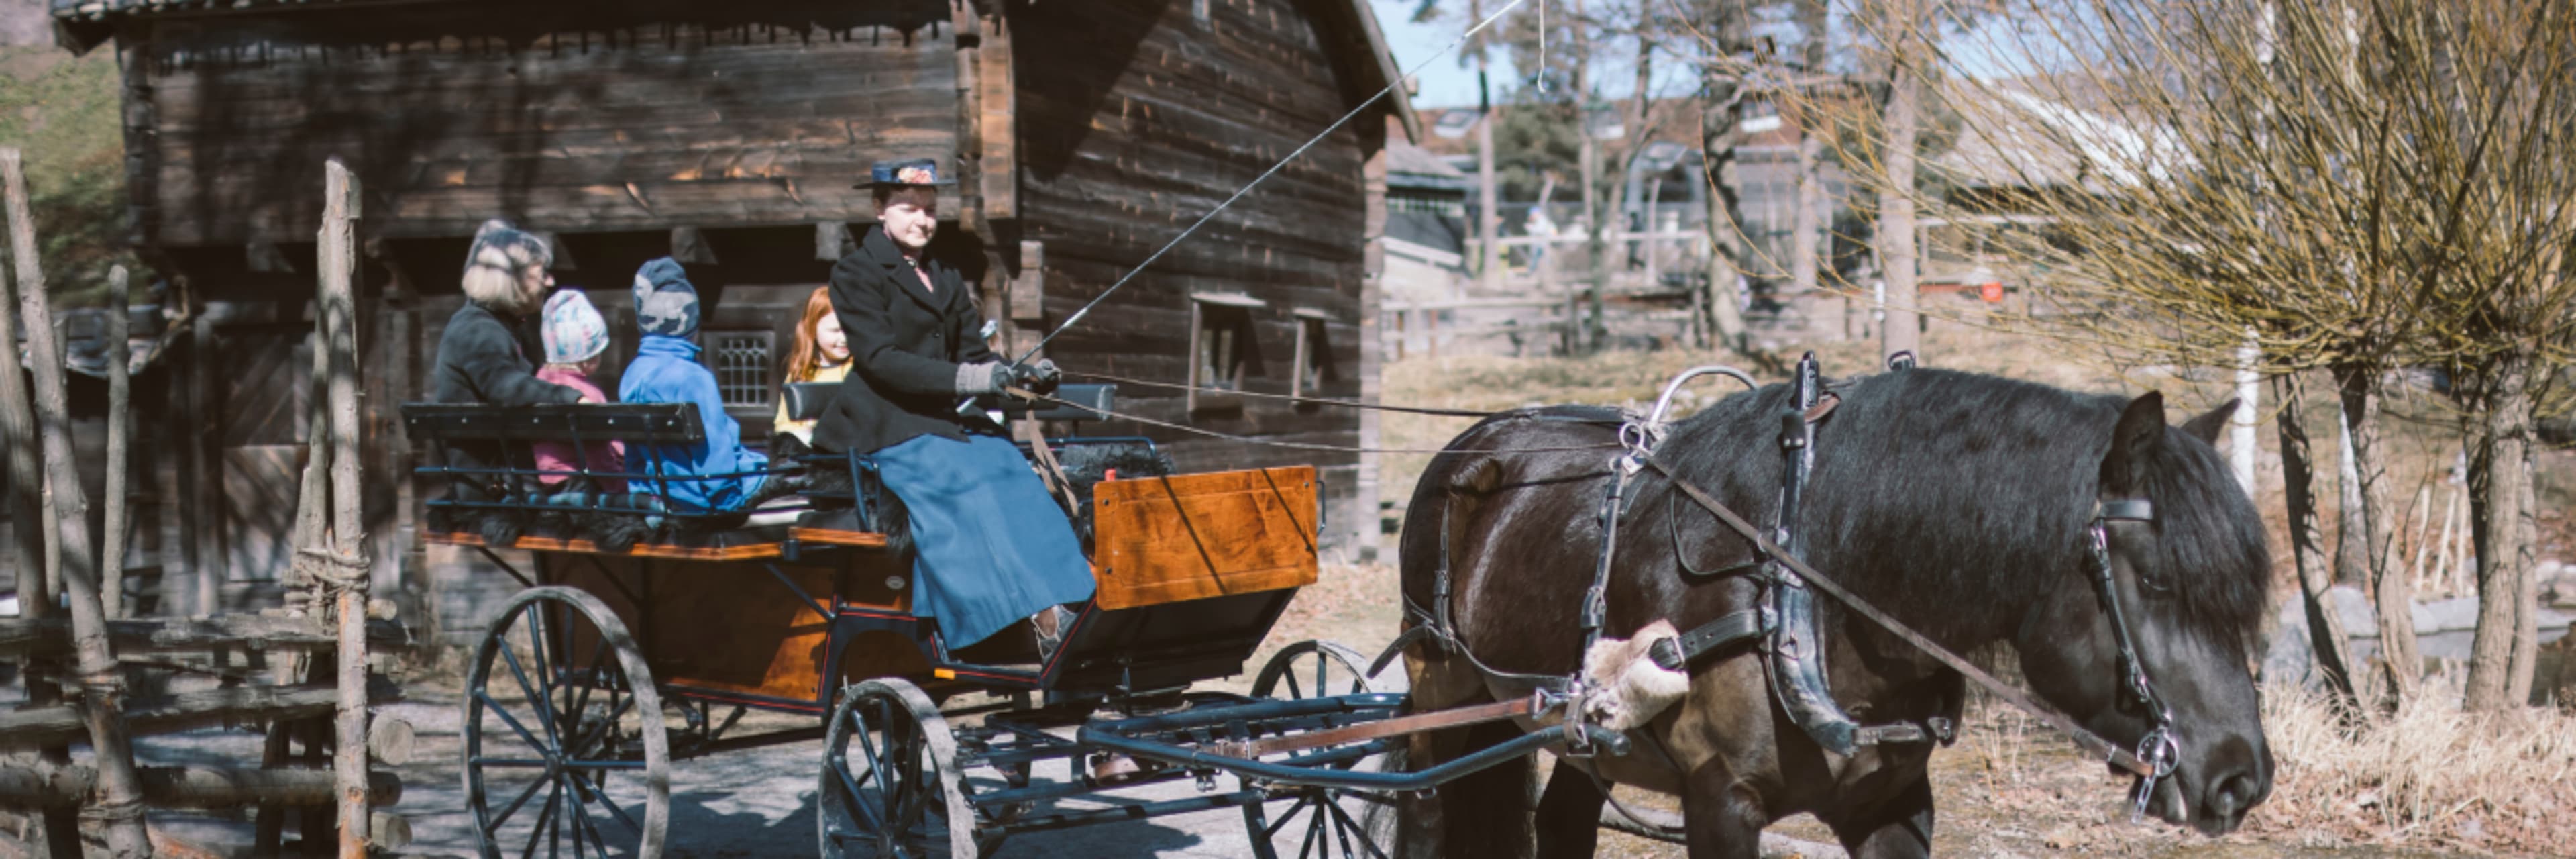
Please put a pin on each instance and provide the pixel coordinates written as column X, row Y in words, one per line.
column 646, row 423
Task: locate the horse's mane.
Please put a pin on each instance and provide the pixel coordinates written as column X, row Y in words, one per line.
column 1939, row 490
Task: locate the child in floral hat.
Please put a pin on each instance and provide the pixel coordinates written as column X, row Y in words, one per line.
column 576, row 336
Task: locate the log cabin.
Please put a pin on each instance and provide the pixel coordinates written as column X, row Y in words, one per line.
column 1085, row 136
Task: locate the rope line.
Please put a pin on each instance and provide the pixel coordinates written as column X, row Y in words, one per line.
column 1265, row 175
column 1294, row 445
column 1326, row 401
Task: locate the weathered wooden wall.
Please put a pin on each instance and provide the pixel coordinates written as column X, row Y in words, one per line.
column 1117, row 157
column 1108, row 127
column 579, row 117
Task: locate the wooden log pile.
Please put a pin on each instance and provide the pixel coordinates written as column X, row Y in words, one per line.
column 76, row 667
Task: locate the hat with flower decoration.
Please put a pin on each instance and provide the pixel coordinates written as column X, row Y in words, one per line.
column 910, row 173
column 574, row 330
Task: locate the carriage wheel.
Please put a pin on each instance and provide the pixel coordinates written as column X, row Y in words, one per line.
column 564, row 744
column 1320, row 822
column 890, row 785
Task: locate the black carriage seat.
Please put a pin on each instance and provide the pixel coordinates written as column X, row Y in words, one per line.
column 639, row 522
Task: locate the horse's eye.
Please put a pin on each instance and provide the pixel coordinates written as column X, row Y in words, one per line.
column 2154, row 586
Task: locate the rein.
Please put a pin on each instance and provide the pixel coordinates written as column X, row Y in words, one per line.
column 1290, row 398
column 1300, row 445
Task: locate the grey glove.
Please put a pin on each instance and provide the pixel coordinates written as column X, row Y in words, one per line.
column 989, row 377
column 1040, row 378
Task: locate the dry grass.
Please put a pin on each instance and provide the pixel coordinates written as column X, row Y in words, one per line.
column 2429, row 775
column 2430, row 778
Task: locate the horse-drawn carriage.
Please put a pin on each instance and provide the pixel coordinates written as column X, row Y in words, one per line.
column 612, row 664
column 615, row 661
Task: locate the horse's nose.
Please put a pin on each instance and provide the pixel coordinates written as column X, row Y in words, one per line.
column 2229, row 797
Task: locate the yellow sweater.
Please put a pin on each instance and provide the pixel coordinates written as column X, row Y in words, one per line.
column 804, row 430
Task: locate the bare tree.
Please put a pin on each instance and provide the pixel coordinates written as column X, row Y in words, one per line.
column 2361, row 185
column 1719, row 32
column 1902, row 32
column 1811, row 208
column 2498, row 120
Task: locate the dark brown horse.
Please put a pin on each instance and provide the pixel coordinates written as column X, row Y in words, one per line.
column 1958, row 503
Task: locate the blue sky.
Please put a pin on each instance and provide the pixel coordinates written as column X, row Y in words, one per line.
column 1444, row 82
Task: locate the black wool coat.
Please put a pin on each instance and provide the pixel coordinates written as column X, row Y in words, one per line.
column 906, row 342
column 481, row 359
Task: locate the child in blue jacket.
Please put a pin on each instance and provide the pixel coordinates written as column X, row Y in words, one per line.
column 666, row 370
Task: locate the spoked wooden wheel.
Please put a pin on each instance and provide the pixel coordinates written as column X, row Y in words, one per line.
column 564, row 744
column 1320, row 822
column 890, row 785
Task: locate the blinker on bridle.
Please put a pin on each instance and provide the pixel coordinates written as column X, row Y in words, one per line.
column 2157, row 749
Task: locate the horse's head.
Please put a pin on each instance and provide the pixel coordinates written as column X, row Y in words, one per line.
column 2187, row 573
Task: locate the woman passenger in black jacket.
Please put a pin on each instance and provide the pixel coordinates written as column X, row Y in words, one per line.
column 481, row 358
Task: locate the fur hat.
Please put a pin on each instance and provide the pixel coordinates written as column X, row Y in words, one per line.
column 574, row 331
column 665, row 302
column 492, row 264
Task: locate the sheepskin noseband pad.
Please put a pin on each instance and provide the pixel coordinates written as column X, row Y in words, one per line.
column 1629, row 689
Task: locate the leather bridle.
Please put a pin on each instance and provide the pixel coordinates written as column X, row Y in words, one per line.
column 2158, row 748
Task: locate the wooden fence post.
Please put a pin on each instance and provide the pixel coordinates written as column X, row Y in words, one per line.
column 119, row 793
column 28, row 542
column 120, row 453
column 26, row 477
column 350, row 558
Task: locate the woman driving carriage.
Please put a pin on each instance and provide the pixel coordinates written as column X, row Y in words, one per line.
column 990, row 546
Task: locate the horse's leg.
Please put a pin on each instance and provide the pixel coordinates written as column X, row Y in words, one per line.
column 1721, row 817
column 1481, row 814
column 1569, row 814
column 1899, row 828
column 1485, row 813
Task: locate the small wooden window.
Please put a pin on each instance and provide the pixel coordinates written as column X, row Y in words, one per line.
column 1314, row 353
column 740, row 360
column 1222, row 349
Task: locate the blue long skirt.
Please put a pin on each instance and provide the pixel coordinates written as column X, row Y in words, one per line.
column 990, row 546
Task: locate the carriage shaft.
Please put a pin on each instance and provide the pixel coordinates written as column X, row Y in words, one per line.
column 1432, row 721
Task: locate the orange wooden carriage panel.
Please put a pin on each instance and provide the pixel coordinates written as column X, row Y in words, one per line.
column 1193, row 536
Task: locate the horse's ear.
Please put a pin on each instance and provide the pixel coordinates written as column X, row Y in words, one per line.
column 2206, row 426
column 2134, row 442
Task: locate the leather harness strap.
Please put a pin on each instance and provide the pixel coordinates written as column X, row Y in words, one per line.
column 1736, row 627
column 2110, row 752
column 1825, row 404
